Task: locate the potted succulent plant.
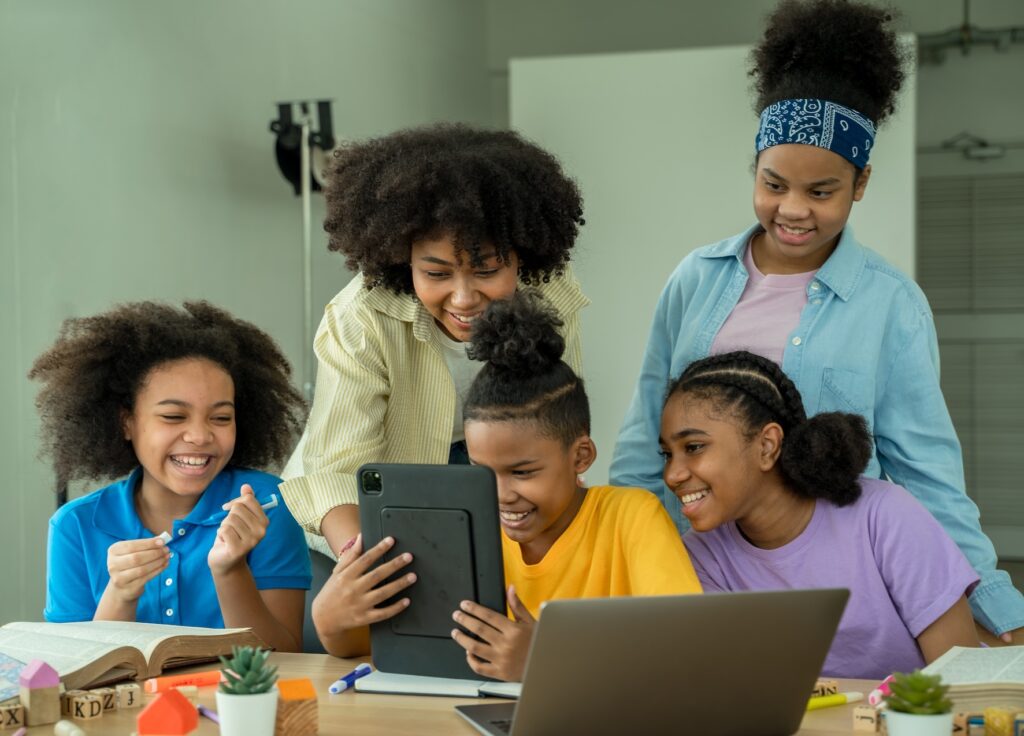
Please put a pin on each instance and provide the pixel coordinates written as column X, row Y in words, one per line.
column 247, row 698
column 918, row 706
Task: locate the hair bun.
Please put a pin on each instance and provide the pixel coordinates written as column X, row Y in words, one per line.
column 825, row 456
column 840, row 50
column 518, row 336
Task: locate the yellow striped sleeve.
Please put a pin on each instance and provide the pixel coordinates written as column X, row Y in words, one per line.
column 346, row 424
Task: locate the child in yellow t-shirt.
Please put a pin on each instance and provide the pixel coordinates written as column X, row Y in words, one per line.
column 528, row 419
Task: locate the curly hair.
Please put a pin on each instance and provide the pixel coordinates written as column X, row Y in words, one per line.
column 93, row 373
column 830, row 49
column 822, row 457
column 525, row 378
column 479, row 186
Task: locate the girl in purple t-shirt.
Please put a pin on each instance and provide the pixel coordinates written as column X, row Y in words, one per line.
column 776, row 500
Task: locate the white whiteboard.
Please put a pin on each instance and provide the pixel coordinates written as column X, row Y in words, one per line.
column 662, row 145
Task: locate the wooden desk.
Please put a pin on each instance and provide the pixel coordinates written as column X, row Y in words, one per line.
column 352, row 713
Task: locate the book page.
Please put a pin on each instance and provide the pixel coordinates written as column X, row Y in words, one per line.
column 967, row 665
column 144, row 637
column 64, row 654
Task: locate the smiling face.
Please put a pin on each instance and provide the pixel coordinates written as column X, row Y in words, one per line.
column 710, row 464
column 455, row 291
column 538, row 496
column 803, row 195
column 182, row 428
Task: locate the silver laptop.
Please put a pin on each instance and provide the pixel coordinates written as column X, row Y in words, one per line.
column 719, row 663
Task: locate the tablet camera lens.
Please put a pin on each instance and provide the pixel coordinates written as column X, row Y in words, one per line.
column 371, row 482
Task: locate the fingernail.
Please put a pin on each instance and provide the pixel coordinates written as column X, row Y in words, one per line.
column 455, row 615
column 411, row 577
column 464, row 605
column 407, row 557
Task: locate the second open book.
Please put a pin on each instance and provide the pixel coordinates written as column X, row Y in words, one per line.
column 982, row 677
column 94, row 653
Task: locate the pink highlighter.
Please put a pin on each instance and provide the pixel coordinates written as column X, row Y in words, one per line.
column 875, row 697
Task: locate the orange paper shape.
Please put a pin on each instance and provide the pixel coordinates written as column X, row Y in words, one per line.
column 169, row 714
column 297, row 689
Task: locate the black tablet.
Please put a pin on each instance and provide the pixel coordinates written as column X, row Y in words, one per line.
column 447, row 517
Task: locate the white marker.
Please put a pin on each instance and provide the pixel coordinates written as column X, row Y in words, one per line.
column 166, row 536
column 272, row 503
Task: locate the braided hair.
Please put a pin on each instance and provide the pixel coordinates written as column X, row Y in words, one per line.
column 821, row 457
column 525, row 378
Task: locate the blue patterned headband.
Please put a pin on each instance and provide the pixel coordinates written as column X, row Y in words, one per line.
column 817, row 123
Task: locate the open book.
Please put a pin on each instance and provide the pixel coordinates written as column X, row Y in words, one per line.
column 94, row 653
column 390, row 682
column 981, row 677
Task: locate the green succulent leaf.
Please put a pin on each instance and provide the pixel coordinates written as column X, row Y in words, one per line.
column 247, row 672
column 918, row 693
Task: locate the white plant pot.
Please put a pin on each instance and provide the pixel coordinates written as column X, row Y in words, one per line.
column 911, row 724
column 247, row 715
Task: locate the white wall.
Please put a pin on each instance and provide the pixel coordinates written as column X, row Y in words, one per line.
column 136, row 163
column 662, row 145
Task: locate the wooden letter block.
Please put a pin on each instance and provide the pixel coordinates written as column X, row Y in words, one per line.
column 865, row 718
column 296, row 708
column 12, row 716
column 960, row 725
column 107, row 696
column 65, row 700
column 825, row 687
column 129, row 696
column 86, row 707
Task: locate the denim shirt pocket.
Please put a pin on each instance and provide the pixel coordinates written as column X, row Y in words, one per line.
column 848, row 391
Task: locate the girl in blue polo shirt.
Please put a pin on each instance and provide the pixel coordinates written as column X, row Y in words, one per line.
column 852, row 332
column 183, row 401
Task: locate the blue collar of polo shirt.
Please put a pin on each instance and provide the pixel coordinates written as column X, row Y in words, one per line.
column 841, row 272
column 114, row 512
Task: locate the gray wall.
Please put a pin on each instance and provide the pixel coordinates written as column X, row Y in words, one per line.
column 136, row 163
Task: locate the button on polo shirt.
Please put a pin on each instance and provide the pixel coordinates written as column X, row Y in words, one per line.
column 83, row 530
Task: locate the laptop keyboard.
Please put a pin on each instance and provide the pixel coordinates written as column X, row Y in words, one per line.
column 504, row 725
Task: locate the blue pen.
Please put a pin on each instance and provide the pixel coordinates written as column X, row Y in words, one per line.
column 344, row 683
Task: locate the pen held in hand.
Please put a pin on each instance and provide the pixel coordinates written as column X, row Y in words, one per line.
column 266, row 506
column 345, row 682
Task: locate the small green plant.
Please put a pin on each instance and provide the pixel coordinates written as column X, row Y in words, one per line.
column 919, row 694
column 247, row 673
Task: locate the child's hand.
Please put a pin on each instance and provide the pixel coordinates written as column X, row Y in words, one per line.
column 350, row 597
column 502, row 653
column 133, row 563
column 244, row 528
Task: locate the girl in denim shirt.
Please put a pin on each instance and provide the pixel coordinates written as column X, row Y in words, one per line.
column 852, row 332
